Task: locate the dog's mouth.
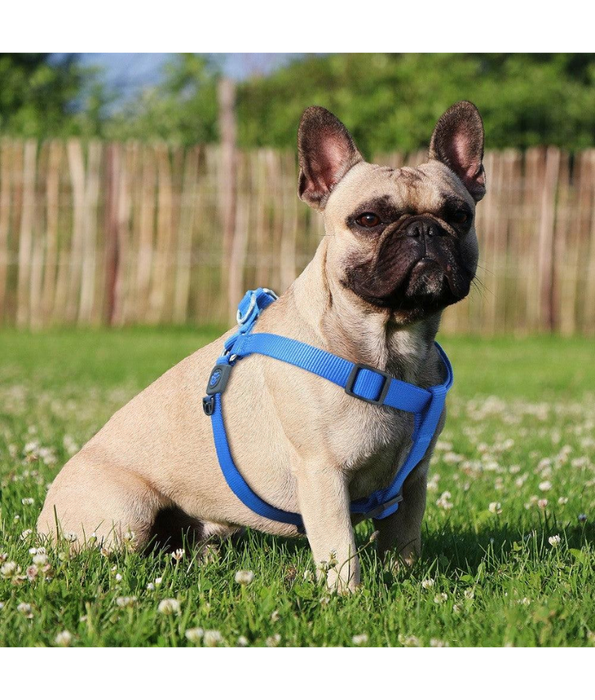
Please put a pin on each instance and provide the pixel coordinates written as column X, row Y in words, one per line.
column 411, row 278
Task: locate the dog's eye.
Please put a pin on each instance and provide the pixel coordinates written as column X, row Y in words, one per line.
column 460, row 216
column 368, row 220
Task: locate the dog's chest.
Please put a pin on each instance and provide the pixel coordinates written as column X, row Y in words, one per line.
column 370, row 444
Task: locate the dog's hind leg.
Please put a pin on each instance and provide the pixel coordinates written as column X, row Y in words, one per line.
column 92, row 504
column 401, row 531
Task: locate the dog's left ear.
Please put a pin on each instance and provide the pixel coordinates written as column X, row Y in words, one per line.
column 457, row 142
column 326, row 153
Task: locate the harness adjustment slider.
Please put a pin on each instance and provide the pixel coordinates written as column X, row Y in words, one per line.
column 353, row 378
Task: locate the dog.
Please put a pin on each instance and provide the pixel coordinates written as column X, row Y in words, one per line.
column 399, row 247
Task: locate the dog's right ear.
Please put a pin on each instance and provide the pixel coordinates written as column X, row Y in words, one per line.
column 326, row 153
column 457, row 142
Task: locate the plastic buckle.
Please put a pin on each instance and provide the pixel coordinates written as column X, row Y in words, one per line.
column 218, row 379
column 353, row 378
column 383, row 506
column 208, row 405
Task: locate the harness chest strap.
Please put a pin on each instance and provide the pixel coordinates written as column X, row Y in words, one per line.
column 360, row 381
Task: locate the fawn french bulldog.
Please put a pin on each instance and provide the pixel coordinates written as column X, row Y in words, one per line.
column 400, row 246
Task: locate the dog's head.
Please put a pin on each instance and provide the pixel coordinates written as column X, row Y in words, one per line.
column 402, row 240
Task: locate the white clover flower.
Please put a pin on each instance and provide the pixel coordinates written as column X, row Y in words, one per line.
column 125, row 601
column 212, row 638
column 562, row 500
column 63, row 639
column 178, row 554
column 428, row 583
column 244, row 578
column 441, row 598
column 3, row 557
column 169, row 606
column 1, row 604
column 273, row 641
column 27, row 501
column 542, row 503
column 158, row 581
column 150, row 586
column 195, row 634
column 444, row 502
column 242, row 641
column 118, row 577
column 545, row 486
column 554, row 540
column 32, row 572
column 359, row 639
column 456, row 608
column 8, row 569
column 71, row 536
column 495, row 508
column 25, row 609
column 470, row 594
column 40, row 559
column 438, row 643
column 130, row 536
column 409, row 640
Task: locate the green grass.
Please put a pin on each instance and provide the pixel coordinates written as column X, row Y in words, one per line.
column 522, row 414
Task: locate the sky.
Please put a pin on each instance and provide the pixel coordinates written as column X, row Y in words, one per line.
column 129, row 72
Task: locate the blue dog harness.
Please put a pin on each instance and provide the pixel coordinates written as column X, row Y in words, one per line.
column 358, row 380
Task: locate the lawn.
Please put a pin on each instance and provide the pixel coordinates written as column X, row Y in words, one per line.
column 508, row 535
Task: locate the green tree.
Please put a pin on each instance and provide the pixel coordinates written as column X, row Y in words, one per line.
column 182, row 108
column 45, row 95
column 392, row 101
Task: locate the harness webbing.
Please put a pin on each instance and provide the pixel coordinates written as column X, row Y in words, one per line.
column 360, row 381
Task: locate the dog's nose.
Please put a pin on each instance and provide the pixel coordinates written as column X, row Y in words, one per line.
column 422, row 228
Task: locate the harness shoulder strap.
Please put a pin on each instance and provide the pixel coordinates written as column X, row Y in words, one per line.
column 360, row 381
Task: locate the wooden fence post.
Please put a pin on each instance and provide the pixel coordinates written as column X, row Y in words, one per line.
column 227, row 184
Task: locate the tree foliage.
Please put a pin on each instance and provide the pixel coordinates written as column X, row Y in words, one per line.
column 183, row 108
column 388, row 101
column 43, row 95
column 392, row 101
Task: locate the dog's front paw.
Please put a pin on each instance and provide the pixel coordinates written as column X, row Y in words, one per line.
column 340, row 578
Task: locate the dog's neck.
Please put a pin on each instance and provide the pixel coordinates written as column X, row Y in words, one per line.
column 347, row 326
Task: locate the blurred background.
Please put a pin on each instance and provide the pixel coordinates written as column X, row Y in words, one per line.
column 154, row 189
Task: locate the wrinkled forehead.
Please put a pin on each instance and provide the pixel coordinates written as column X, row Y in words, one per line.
column 421, row 189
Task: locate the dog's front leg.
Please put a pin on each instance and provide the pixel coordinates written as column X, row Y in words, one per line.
column 324, row 505
column 401, row 531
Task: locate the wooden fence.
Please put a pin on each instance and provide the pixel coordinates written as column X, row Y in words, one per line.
column 124, row 233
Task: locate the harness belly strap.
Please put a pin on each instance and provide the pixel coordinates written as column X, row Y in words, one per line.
column 358, row 380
